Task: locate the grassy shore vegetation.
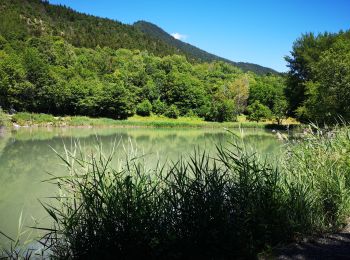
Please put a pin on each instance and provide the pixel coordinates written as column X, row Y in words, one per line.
column 3, row 118
column 32, row 119
column 223, row 206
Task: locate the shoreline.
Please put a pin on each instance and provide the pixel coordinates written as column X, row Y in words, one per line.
column 28, row 120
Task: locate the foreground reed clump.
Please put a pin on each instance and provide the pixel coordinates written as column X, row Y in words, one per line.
column 231, row 205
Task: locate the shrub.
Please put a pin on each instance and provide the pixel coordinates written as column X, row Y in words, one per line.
column 144, row 108
column 158, row 107
column 172, row 112
column 258, row 111
column 190, row 113
column 221, row 111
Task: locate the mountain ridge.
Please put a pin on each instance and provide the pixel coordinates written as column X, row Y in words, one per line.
column 194, row 52
column 32, row 18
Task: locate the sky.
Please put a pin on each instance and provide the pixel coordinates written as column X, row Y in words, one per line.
column 260, row 31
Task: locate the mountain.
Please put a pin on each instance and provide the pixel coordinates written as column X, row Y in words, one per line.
column 193, row 52
column 21, row 19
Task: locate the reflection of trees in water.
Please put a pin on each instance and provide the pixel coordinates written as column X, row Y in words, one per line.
column 33, row 157
column 264, row 144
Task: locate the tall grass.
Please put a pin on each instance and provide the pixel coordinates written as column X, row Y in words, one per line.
column 25, row 118
column 202, row 207
column 318, row 172
column 234, row 204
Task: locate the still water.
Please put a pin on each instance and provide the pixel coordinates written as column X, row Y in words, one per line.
column 27, row 156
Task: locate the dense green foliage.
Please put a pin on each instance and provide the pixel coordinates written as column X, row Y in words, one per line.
column 258, row 111
column 232, row 205
column 23, row 18
column 49, row 75
column 194, row 53
column 319, row 78
column 172, row 112
column 144, row 108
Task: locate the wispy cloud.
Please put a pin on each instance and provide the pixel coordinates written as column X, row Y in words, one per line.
column 179, row 36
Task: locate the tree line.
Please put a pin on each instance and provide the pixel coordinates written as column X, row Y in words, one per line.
column 48, row 75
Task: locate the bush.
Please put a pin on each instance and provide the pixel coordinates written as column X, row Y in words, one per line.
column 221, row 111
column 258, row 111
column 172, row 112
column 144, row 108
column 158, row 107
column 190, row 114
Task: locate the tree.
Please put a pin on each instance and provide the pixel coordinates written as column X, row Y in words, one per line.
column 258, row 111
column 117, row 102
column 280, row 109
column 183, row 90
column 328, row 94
column 158, row 107
column 144, row 108
column 239, row 89
column 221, row 110
column 172, row 112
column 305, row 53
column 15, row 91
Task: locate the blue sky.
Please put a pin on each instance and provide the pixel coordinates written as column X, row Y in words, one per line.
column 260, row 32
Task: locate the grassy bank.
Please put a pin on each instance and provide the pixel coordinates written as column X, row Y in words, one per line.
column 232, row 204
column 30, row 119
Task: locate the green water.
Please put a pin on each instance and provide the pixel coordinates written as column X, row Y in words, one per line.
column 26, row 158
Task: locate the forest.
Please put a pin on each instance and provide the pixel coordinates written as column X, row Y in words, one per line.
column 49, row 75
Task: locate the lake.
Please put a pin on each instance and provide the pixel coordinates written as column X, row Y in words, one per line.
column 27, row 156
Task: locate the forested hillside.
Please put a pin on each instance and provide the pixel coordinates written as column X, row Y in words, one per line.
column 20, row 19
column 23, row 18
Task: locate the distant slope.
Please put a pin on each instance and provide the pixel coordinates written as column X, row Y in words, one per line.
column 25, row 18
column 193, row 52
